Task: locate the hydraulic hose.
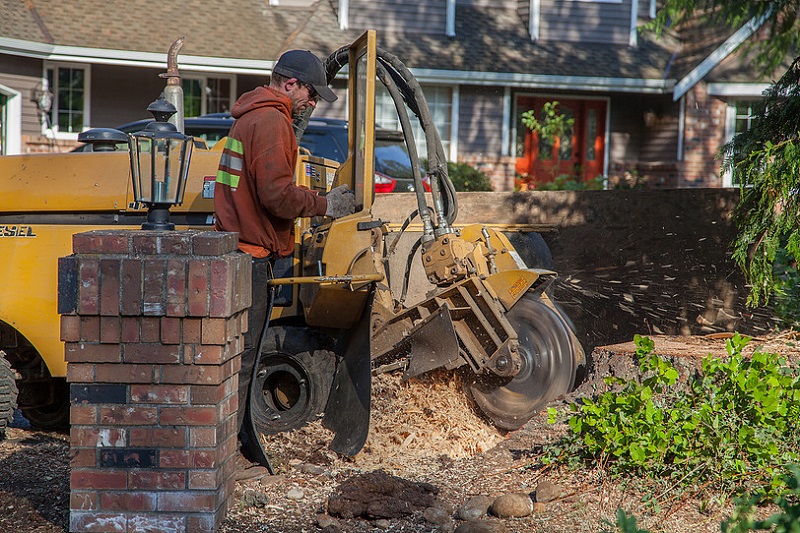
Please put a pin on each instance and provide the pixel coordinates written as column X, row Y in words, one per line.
column 406, row 91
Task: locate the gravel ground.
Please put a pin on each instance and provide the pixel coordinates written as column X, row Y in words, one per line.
column 477, row 460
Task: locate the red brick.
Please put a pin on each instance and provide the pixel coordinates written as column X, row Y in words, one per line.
column 84, row 500
column 214, row 243
column 109, row 287
column 110, row 332
column 176, row 287
column 151, row 329
column 204, row 521
column 90, row 328
column 204, row 458
column 215, row 331
column 146, row 242
column 83, row 457
column 101, row 242
column 171, row 330
column 188, row 416
column 98, row 479
column 163, row 523
column 176, row 243
column 97, row 437
column 155, row 277
column 174, row 459
column 130, row 329
column 79, row 352
column 151, row 353
column 204, row 479
column 122, row 373
column 83, row 415
column 131, row 274
column 149, row 479
column 199, row 374
column 206, row 394
column 221, row 290
column 202, row 437
column 197, row 501
column 128, row 501
column 71, row 328
column 243, row 282
column 80, row 373
column 160, row 394
column 158, row 436
column 88, row 286
column 198, row 288
column 128, row 416
column 207, row 354
column 192, row 328
column 97, row 522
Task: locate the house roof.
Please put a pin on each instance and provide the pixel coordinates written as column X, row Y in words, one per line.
column 491, row 45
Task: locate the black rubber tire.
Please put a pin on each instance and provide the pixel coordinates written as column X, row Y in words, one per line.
column 54, row 416
column 8, row 395
column 293, row 380
column 548, row 367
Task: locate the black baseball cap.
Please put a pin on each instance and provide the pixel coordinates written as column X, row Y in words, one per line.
column 306, row 67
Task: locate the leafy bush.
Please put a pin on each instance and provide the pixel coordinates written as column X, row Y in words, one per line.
column 565, row 182
column 735, row 424
column 787, row 288
column 468, row 178
column 787, row 520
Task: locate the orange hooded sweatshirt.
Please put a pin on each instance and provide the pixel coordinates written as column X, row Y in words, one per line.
column 254, row 193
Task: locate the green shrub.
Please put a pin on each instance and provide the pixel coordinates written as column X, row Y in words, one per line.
column 734, row 426
column 468, row 178
column 566, row 182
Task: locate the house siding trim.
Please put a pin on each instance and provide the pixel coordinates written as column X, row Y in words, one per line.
column 633, row 34
column 77, row 54
column 723, row 51
column 737, row 89
column 538, row 81
column 12, row 143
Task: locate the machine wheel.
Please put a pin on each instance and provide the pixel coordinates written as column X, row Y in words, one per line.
column 293, row 380
column 548, row 367
column 8, row 395
column 55, row 415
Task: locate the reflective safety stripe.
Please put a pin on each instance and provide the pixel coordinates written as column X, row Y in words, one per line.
column 234, row 145
column 226, row 178
column 231, row 163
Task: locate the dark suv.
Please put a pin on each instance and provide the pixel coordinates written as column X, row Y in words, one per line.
column 323, row 137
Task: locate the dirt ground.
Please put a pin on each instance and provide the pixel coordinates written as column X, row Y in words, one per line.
column 423, row 434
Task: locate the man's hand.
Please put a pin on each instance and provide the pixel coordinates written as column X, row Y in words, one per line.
column 341, row 202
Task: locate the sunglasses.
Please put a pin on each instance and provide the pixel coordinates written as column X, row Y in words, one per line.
column 312, row 93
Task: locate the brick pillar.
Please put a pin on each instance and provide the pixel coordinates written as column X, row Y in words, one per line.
column 152, row 323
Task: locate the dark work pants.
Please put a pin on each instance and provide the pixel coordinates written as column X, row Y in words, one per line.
column 257, row 318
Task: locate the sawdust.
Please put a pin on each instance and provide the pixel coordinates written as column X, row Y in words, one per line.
column 428, row 417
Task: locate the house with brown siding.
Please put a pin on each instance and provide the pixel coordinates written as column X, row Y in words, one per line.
column 656, row 108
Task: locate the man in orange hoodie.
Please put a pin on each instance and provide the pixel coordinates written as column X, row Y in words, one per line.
column 255, row 194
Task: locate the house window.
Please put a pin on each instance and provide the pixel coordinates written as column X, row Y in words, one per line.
column 739, row 120
column 3, row 120
column 69, row 85
column 440, row 102
column 206, row 95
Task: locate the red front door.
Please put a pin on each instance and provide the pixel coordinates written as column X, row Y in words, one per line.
column 578, row 153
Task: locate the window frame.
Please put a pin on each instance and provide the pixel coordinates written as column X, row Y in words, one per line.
column 731, row 118
column 433, row 94
column 203, row 79
column 53, row 113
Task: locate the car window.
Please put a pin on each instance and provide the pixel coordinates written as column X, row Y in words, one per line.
column 391, row 159
column 210, row 134
column 323, row 143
